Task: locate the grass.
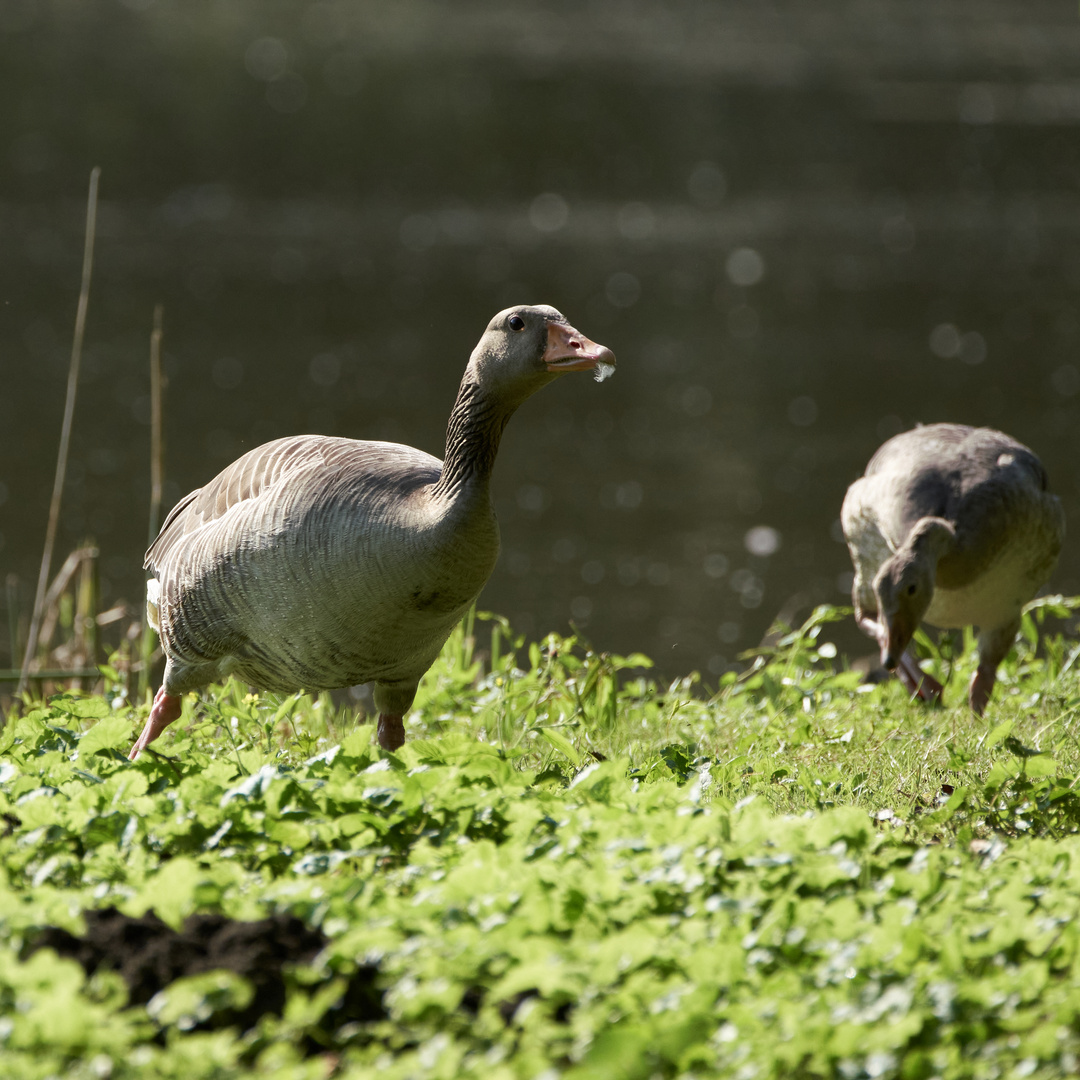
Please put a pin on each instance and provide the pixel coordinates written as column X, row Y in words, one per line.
column 569, row 870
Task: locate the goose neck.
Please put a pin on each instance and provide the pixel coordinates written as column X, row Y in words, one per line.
column 472, row 437
column 932, row 539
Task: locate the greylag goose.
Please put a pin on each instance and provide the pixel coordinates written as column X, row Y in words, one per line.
column 954, row 525
column 316, row 563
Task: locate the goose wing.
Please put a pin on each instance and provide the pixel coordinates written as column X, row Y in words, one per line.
column 284, row 471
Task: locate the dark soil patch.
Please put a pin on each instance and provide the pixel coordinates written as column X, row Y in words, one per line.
column 473, row 998
column 149, row 955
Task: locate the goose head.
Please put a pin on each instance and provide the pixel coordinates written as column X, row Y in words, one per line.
column 527, row 346
column 904, row 585
column 904, row 588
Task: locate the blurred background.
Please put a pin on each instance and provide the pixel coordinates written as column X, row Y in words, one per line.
column 801, row 228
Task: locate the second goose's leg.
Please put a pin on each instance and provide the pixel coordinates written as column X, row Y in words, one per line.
column 917, row 682
column 993, row 645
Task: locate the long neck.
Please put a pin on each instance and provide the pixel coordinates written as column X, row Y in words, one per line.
column 931, row 539
column 472, row 438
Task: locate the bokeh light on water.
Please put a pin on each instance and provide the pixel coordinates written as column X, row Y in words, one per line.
column 801, row 231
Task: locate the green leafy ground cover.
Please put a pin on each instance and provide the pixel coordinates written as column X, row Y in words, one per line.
column 571, row 871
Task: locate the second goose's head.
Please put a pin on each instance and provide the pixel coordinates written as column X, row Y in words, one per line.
column 905, row 584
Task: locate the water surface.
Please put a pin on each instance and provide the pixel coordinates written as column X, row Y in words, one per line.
column 800, row 232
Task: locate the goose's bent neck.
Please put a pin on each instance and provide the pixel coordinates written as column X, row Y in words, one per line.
column 931, row 539
column 472, row 438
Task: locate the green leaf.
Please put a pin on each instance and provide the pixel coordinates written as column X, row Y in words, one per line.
column 561, row 743
column 107, row 734
column 194, row 999
column 956, row 801
column 170, row 893
column 352, row 824
column 82, row 707
column 634, row 660
column 1000, row 772
column 997, row 734
column 289, row 834
column 357, row 744
column 1043, row 765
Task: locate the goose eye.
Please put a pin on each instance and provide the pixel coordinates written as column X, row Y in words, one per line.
column 516, row 322
column 911, row 589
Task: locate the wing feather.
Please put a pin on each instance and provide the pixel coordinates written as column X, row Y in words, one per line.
column 273, row 466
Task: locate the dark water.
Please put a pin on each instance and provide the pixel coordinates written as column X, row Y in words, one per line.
column 801, row 228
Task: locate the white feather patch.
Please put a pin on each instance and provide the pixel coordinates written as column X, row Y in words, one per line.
column 603, row 371
column 153, row 596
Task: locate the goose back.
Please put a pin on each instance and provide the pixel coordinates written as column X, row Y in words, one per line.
column 981, row 480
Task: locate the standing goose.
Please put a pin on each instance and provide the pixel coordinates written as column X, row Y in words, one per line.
column 315, row 562
column 954, row 525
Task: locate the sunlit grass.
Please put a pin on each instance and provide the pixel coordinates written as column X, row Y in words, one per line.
column 570, row 869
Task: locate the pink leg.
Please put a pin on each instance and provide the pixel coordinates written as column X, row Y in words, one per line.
column 981, row 687
column 391, row 731
column 871, row 628
column 918, row 683
column 994, row 646
column 166, row 709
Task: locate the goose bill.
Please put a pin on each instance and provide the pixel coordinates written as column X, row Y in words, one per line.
column 898, row 635
column 569, row 350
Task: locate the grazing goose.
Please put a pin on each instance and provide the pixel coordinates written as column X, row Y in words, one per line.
column 315, row 562
column 954, row 525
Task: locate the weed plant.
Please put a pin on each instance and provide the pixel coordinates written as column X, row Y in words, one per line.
column 570, row 870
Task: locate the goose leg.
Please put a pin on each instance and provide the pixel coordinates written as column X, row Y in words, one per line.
column 870, row 627
column 393, row 702
column 166, row 709
column 917, row 681
column 981, row 687
column 993, row 645
column 391, row 731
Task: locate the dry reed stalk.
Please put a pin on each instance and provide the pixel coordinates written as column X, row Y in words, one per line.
column 11, row 590
column 157, row 439
column 51, row 606
column 87, row 603
column 65, row 431
column 157, row 471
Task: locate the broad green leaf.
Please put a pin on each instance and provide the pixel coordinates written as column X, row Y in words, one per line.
column 113, row 731
column 561, row 743
column 195, row 999
column 1042, row 765
column 170, row 893
column 83, row 707
column 997, row 734
column 289, row 834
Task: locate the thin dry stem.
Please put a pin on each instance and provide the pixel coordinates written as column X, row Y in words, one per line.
column 11, row 588
column 157, row 469
column 65, row 431
column 50, row 607
column 157, row 445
